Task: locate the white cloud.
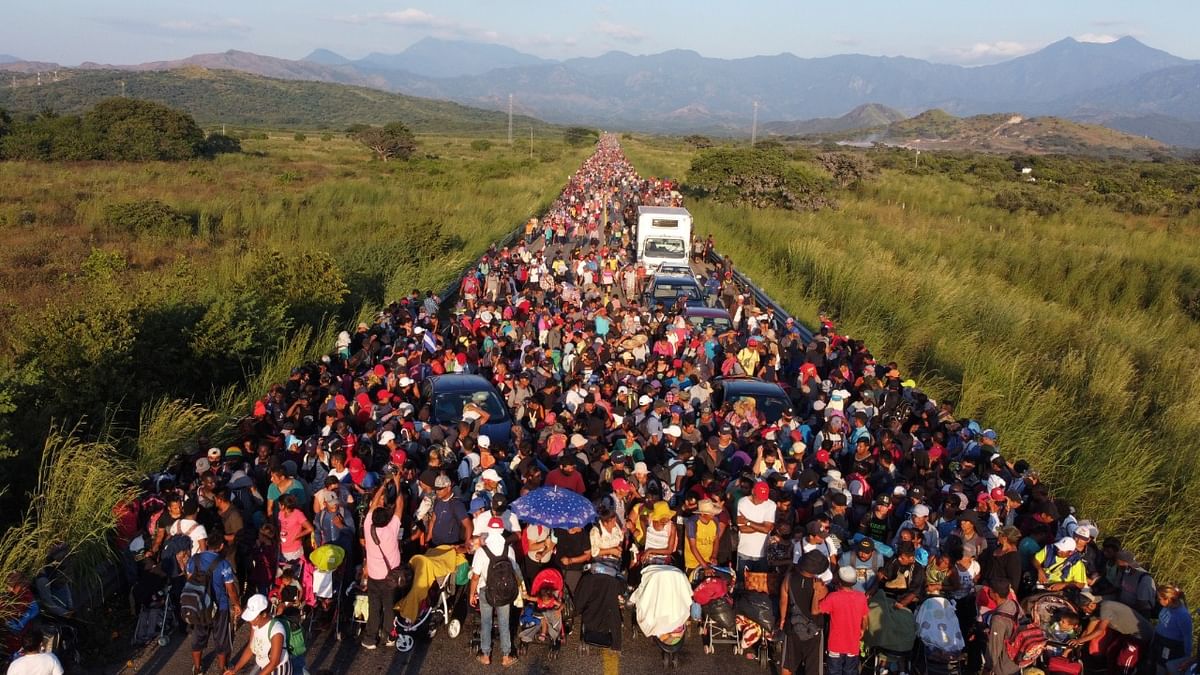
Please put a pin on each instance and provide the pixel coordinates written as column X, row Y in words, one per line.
column 620, row 32
column 984, row 52
column 431, row 24
column 1102, row 38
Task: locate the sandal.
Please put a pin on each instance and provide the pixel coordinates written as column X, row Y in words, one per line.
column 507, row 661
column 485, row 659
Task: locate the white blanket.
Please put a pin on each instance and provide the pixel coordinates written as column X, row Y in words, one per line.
column 937, row 626
column 663, row 600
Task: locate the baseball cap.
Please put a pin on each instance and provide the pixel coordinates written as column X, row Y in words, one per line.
column 620, row 484
column 491, row 475
column 641, row 468
column 1066, row 544
column 762, row 490
column 495, row 523
column 920, row 511
column 214, row 454
column 203, row 465
column 866, row 545
column 645, row 400
column 442, row 481
column 673, row 431
column 485, row 441
column 822, row 456
column 386, row 437
column 848, row 575
column 257, row 604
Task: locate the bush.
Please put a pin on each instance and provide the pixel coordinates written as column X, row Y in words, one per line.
column 847, row 168
column 756, row 178
column 1028, row 199
column 146, row 216
column 391, row 141
column 580, row 136
column 220, row 144
column 481, row 145
column 326, row 136
column 698, row 141
column 299, row 137
column 128, row 129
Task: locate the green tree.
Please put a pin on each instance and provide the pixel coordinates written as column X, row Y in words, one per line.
column 697, row 141
column 220, row 144
column 129, row 129
column 391, row 141
column 237, row 329
column 847, row 168
column 580, row 136
column 309, row 283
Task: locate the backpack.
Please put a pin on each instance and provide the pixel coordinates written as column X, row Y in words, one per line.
column 293, row 636
column 196, row 604
column 867, row 490
column 502, row 588
column 1025, row 646
column 174, row 545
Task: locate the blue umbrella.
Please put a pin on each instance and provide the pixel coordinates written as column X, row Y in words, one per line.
column 554, row 507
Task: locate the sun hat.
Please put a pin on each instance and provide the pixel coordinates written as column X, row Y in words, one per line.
column 661, row 512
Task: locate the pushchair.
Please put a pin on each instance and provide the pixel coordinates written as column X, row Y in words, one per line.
column 711, row 594
column 663, row 602
column 323, row 579
column 437, row 596
column 890, row 636
column 598, row 599
column 533, row 616
column 150, row 599
column 1042, row 643
column 941, row 648
column 756, row 619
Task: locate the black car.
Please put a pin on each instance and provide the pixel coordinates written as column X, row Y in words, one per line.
column 770, row 399
column 448, row 394
column 668, row 289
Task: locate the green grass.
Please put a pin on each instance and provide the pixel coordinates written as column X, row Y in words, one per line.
column 1066, row 333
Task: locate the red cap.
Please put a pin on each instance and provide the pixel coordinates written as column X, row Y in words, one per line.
column 379, row 370
column 339, row 401
column 358, row 470
column 822, row 456
column 998, row 494
column 384, row 395
column 620, row 484
column 260, row 409
column 363, row 400
column 399, row 457
column 762, row 490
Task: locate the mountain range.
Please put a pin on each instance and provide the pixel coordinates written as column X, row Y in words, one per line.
column 867, row 116
column 1124, row 84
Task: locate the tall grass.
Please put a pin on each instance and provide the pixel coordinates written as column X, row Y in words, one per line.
column 1064, row 333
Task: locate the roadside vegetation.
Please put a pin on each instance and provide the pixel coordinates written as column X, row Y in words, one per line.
column 1062, row 312
column 146, row 303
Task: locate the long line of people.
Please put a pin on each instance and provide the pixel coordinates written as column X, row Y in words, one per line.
column 868, row 520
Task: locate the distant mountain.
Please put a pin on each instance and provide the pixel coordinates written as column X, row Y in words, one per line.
column 431, row 57
column 257, row 64
column 1172, row 130
column 1172, row 91
column 865, row 116
column 326, row 58
column 1007, row 133
column 8, row 58
column 242, row 99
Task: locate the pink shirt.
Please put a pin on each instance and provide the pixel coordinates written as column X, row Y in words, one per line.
column 389, row 543
column 290, row 524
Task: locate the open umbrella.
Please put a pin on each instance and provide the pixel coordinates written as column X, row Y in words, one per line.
column 554, row 507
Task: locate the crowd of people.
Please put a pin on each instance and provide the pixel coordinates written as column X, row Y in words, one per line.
column 858, row 507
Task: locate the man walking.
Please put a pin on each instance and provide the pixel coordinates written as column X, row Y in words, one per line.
column 382, row 545
column 223, row 586
column 847, row 610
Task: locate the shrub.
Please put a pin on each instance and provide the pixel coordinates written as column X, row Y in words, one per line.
column 391, row 141
column 481, row 145
column 299, row 137
column 146, row 216
column 1028, row 199
column 847, row 168
column 756, row 178
column 327, row 136
column 220, row 144
column 698, row 141
column 580, row 136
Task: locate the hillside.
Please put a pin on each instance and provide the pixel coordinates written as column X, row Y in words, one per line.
column 865, row 116
column 227, row 97
column 938, row 130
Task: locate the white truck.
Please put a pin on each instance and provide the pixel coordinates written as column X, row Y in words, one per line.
column 664, row 236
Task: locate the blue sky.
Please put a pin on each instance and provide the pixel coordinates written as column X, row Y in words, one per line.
column 955, row 31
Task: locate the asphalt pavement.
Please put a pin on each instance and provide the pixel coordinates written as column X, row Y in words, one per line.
column 448, row 656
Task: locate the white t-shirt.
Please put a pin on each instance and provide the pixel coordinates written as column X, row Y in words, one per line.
column 194, row 531
column 754, row 544
column 481, row 561
column 260, row 641
column 36, row 664
column 483, row 518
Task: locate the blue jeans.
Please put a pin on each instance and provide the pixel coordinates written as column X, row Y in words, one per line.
column 485, row 632
column 843, row 665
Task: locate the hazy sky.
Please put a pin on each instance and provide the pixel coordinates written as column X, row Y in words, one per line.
column 957, row 31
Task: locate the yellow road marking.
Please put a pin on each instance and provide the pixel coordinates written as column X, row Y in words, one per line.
column 612, row 662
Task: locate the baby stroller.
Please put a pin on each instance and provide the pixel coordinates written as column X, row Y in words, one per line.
column 150, row 599
column 711, row 588
column 663, row 601
column 756, row 620
column 890, row 636
column 1042, row 643
column 557, row 619
column 440, row 578
column 941, row 646
column 323, row 579
column 598, row 599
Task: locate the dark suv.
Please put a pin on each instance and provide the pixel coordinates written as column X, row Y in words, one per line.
column 448, row 394
column 667, row 289
column 770, row 399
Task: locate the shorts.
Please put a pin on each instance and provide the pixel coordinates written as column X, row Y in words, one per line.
column 218, row 630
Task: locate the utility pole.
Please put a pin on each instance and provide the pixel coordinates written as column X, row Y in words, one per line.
column 754, row 126
column 530, row 141
column 14, row 83
column 122, row 88
column 56, row 76
column 510, row 120
column 39, row 80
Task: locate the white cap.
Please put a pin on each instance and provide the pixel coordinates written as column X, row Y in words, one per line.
column 405, row 381
column 641, row 468
column 203, row 465
column 386, row 437
column 645, row 400
column 848, row 574
column 673, row 430
column 257, row 604
column 418, row 330
column 485, row 441
column 1065, row 544
column 920, row 511
column 618, row 420
column 832, row 475
column 490, row 474
column 578, row 441
column 406, row 408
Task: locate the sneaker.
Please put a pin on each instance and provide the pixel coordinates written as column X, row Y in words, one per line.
column 367, row 645
column 390, row 643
